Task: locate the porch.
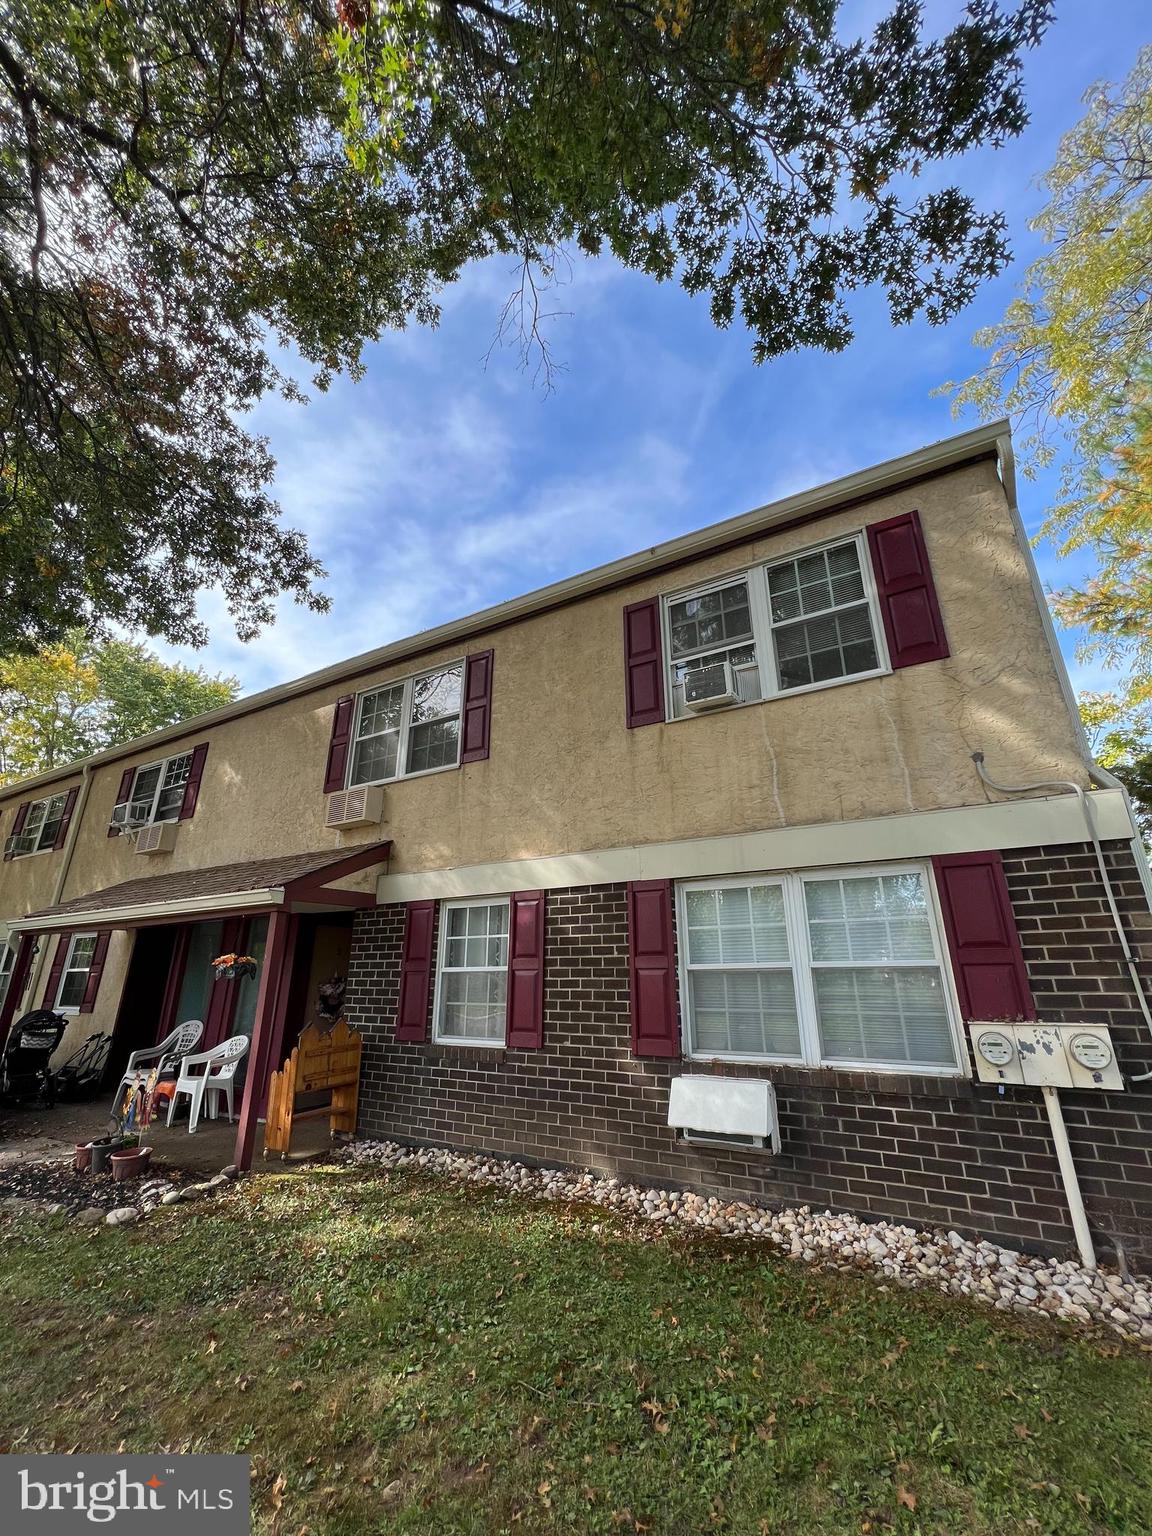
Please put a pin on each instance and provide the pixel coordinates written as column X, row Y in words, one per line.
column 287, row 913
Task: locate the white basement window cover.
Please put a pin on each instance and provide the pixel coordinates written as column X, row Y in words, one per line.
column 724, row 1107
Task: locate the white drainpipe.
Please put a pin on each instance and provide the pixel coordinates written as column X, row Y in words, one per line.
column 62, row 874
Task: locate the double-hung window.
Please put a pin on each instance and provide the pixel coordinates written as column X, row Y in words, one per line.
column 836, row 968
column 41, row 826
column 472, row 973
column 803, row 622
column 74, row 977
column 7, row 961
column 408, row 727
column 158, row 790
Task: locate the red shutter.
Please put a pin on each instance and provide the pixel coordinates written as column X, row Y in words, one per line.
column 477, row 707
column 96, row 970
column 907, row 593
column 123, row 795
column 56, row 972
column 652, row 969
column 526, row 971
column 192, row 783
column 643, row 663
column 66, row 819
column 342, row 718
column 987, row 961
column 18, row 825
column 416, row 971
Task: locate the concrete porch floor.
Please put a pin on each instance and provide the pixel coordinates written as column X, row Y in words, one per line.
column 43, row 1135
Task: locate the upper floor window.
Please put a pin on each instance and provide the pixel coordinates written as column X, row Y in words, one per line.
column 158, row 790
column 41, row 826
column 408, row 727
column 798, row 623
column 828, row 969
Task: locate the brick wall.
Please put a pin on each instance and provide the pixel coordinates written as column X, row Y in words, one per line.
column 914, row 1148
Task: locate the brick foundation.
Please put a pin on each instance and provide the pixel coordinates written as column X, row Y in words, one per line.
column 926, row 1150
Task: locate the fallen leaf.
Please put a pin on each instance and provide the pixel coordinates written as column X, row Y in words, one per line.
column 278, row 1488
column 1022, row 1431
column 296, row 1387
column 907, row 1499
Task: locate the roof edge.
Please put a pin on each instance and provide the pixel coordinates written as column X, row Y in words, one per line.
column 949, row 453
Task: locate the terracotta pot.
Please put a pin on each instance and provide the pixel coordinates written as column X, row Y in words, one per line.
column 83, row 1159
column 130, row 1164
column 102, row 1154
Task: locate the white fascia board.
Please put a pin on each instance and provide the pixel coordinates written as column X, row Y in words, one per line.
column 126, row 917
column 967, row 829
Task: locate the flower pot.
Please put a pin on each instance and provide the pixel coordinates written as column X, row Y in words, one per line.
column 102, row 1154
column 130, row 1164
column 83, row 1159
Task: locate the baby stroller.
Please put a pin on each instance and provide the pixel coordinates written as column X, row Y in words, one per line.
column 82, row 1075
column 24, row 1070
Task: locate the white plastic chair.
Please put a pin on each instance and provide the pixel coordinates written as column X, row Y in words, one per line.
column 219, row 1072
column 184, row 1038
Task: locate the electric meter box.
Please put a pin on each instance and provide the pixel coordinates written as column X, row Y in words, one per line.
column 1046, row 1055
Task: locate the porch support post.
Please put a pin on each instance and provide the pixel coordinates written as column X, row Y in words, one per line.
column 274, row 978
column 16, row 983
column 276, row 1046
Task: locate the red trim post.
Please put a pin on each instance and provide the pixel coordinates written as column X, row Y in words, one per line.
column 175, row 982
column 16, row 983
column 273, row 980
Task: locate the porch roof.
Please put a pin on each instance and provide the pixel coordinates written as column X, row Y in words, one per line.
column 294, row 880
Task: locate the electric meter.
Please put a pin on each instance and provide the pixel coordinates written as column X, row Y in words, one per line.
column 1091, row 1052
column 995, row 1048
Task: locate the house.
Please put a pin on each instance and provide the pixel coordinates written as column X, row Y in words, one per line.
column 708, row 812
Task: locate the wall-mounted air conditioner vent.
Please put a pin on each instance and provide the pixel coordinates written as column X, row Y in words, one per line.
column 360, row 807
column 160, row 837
column 710, row 687
column 725, row 1111
column 20, row 843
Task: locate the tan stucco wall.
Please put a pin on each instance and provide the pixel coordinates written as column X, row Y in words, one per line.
column 565, row 774
column 103, row 1016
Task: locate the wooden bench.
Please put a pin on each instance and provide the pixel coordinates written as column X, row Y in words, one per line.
column 322, row 1062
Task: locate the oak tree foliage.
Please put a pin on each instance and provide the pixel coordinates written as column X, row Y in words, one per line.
column 83, row 694
column 189, row 187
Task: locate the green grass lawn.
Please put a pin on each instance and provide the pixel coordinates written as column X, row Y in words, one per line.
column 399, row 1354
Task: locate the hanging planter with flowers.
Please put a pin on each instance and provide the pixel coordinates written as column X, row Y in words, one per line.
column 232, row 967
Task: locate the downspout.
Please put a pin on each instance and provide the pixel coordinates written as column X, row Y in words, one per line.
column 62, row 873
column 1090, row 825
column 1098, row 775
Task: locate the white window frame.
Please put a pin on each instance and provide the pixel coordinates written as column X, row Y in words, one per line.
column 39, row 830
column 70, row 969
column 493, row 1043
column 163, row 764
column 763, row 626
column 408, row 684
column 7, row 965
column 796, row 917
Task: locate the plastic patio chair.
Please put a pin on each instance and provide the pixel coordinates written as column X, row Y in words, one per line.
column 219, row 1072
column 175, row 1046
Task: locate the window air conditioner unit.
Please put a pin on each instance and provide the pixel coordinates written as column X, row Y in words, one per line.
column 725, row 1112
column 160, row 837
column 360, row 807
column 20, row 843
column 126, row 815
column 710, row 687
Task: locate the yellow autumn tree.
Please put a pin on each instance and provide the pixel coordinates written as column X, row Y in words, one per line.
column 1071, row 358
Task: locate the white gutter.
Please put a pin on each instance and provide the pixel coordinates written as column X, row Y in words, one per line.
column 119, row 917
column 863, row 484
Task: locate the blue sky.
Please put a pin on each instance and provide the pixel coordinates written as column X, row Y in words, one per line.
column 441, row 483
